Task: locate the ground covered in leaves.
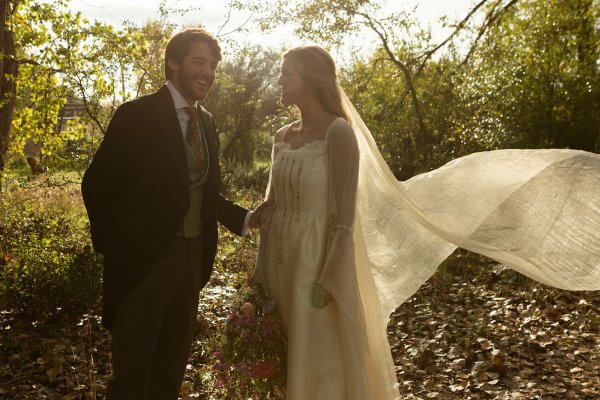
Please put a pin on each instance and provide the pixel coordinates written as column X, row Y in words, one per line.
column 475, row 331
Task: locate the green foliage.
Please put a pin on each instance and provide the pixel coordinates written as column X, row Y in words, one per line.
column 535, row 80
column 63, row 57
column 238, row 177
column 72, row 155
column 47, row 263
column 144, row 52
column 381, row 98
column 317, row 20
column 243, row 101
column 532, row 80
column 47, row 38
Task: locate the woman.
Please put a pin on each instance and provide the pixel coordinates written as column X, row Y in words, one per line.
column 342, row 246
column 307, row 243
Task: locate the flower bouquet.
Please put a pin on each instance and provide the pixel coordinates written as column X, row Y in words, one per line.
column 248, row 356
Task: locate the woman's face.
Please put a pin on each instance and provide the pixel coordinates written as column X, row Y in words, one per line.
column 293, row 87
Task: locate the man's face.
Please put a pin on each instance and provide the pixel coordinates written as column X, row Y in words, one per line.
column 196, row 74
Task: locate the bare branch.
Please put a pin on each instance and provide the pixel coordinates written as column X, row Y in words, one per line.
column 240, row 27
column 145, row 72
column 489, row 21
column 378, row 28
column 375, row 63
column 427, row 55
column 227, row 19
column 86, row 103
column 372, row 67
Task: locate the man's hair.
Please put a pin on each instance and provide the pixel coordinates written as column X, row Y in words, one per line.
column 179, row 46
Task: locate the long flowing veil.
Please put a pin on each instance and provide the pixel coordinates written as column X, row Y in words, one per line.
column 536, row 211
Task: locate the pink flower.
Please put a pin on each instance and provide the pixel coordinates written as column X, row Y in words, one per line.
column 248, row 310
column 235, row 319
column 219, row 383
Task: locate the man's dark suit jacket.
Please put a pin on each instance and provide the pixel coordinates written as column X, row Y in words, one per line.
column 136, row 192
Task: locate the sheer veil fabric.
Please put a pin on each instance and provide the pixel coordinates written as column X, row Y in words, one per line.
column 536, row 211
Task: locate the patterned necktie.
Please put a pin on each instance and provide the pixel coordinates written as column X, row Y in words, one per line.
column 192, row 136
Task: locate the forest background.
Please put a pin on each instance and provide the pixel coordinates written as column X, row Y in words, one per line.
column 509, row 74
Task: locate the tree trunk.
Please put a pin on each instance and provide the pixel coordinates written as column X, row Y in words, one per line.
column 9, row 69
column 3, row 13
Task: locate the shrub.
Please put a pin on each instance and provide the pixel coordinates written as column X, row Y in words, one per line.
column 47, row 264
column 238, row 176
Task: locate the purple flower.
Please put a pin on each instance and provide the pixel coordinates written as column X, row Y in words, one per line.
column 221, row 366
column 269, row 307
column 235, row 319
column 245, row 369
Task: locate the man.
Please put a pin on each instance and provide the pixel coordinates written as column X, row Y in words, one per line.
column 152, row 196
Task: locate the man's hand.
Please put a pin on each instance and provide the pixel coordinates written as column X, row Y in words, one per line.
column 254, row 221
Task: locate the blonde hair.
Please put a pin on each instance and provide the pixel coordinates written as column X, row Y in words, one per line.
column 317, row 68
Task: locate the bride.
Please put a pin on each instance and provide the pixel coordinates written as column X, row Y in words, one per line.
column 343, row 243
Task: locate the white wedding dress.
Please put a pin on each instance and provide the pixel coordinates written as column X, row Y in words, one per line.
column 306, row 236
column 372, row 241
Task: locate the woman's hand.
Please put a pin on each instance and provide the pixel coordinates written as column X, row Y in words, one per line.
column 321, row 297
column 254, row 221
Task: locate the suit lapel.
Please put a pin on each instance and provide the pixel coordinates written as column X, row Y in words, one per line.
column 171, row 130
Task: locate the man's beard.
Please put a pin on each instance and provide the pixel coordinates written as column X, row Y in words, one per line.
column 187, row 82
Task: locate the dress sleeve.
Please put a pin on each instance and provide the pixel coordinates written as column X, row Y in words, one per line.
column 343, row 182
